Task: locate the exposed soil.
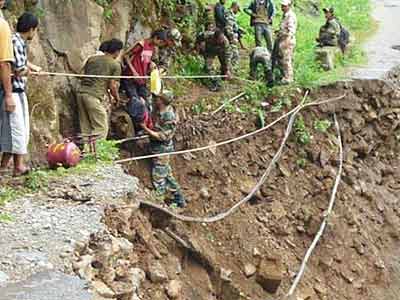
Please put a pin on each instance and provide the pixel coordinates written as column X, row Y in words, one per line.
column 247, row 254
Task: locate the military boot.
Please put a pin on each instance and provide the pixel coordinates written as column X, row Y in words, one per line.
column 179, row 200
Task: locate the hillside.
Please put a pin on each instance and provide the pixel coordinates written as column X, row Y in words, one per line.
column 97, row 232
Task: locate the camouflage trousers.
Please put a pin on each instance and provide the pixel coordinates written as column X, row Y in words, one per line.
column 286, row 53
column 326, row 56
column 235, row 54
column 163, row 180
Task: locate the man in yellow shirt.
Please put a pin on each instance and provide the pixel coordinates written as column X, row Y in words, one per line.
column 6, row 58
column 7, row 103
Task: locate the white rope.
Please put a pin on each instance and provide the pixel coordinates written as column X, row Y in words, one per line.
column 125, row 77
column 227, row 102
column 326, row 215
column 204, row 148
column 255, row 189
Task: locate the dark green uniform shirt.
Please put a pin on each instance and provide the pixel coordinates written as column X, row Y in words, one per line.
column 329, row 33
column 99, row 65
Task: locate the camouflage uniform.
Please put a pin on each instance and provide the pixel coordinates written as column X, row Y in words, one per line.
column 222, row 51
column 163, row 180
column 329, row 33
column 286, row 43
column 261, row 55
column 232, row 33
column 164, row 57
column 328, row 44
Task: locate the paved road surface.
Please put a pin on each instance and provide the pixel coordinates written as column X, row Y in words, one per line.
column 379, row 48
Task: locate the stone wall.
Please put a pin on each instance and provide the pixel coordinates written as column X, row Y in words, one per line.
column 69, row 32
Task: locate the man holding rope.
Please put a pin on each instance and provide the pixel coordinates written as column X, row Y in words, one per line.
column 93, row 115
column 161, row 141
column 14, row 127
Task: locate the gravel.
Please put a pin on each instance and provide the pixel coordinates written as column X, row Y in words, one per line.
column 46, row 226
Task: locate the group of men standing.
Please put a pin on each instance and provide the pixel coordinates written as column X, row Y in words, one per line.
column 223, row 37
column 151, row 113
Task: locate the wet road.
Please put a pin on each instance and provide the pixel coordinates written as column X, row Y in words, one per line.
column 47, row 286
column 379, row 48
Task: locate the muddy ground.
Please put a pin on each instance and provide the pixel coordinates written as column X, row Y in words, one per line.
column 260, row 247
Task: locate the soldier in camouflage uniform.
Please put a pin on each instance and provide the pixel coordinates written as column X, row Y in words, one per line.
column 217, row 45
column 261, row 56
column 286, row 42
column 330, row 31
column 161, row 141
column 212, row 44
column 165, row 55
column 328, row 40
column 232, row 31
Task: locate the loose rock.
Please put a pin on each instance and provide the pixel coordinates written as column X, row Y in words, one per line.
column 174, row 289
column 157, row 272
column 249, row 270
column 270, row 275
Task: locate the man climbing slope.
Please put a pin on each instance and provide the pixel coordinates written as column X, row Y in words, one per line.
column 138, row 62
column 93, row 115
column 162, row 142
column 14, row 127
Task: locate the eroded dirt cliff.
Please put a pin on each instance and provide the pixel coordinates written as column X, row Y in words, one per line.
column 245, row 255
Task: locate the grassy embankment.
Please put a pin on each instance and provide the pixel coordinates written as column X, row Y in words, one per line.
column 353, row 14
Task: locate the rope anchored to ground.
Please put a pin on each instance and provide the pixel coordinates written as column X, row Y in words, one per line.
column 255, row 189
column 245, row 136
column 326, row 215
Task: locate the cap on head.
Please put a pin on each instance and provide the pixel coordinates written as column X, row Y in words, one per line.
column 329, row 10
column 176, row 36
column 236, row 4
column 286, row 2
column 166, row 96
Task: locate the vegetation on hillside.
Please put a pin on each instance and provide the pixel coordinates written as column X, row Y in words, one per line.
column 353, row 14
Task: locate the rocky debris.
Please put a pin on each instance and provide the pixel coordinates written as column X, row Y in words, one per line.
column 249, row 270
column 157, row 273
column 205, row 194
column 46, row 231
column 137, row 277
column 226, row 274
column 270, row 274
column 174, row 289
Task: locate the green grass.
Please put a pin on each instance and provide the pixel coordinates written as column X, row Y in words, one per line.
column 353, row 14
column 38, row 180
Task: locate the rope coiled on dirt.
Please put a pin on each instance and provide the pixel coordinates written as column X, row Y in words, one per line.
column 247, row 135
column 326, row 215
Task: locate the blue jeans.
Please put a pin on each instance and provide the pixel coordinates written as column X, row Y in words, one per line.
column 263, row 31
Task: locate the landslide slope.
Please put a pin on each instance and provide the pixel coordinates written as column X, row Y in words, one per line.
column 357, row 256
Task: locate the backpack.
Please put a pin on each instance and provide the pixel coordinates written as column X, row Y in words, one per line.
column 344, row 38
